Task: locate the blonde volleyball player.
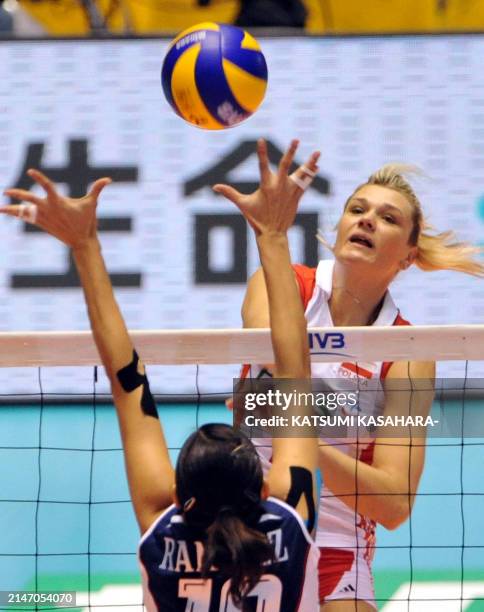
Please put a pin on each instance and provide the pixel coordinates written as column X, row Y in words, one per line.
column 212, row 538
column 380, row 233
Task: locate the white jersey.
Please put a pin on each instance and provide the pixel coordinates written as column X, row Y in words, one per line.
column 338, row 525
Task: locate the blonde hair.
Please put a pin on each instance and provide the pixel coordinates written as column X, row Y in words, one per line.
column 436, row 251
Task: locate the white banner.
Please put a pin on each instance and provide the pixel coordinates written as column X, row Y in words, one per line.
column 179, row 256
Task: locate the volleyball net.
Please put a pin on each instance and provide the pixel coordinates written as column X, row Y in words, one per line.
column 65, row 513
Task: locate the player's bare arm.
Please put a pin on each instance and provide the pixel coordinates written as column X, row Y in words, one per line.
column 271, row 211
column 386, row 489
column 73, row 221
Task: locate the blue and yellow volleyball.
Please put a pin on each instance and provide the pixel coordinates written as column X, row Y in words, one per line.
column 214, row 76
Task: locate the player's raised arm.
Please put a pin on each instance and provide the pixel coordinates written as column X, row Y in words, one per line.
column 73, row 221
column 271, row 211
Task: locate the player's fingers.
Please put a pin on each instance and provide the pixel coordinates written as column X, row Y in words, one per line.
column 9, row 210
column 304, row 175
column 24, row 195
column 43, row 181
column 287, row 158
column 26, row 212
column 312, row 162
column 234, row 196
column 99, row 186
column 264, row 169
column 228, row 192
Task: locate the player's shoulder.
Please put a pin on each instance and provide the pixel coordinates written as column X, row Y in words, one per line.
column 280, row 515
column 166, row 520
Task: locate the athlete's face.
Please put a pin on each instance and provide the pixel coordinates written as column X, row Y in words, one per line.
column 375, row 229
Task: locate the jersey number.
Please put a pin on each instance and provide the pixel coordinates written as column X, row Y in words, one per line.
column 198, row 592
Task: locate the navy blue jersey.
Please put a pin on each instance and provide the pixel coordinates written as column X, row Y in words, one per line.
column 170, row 556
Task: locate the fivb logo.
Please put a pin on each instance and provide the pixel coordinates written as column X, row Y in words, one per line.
column 319, row 343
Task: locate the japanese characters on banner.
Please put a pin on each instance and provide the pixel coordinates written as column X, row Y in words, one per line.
column 179, row 255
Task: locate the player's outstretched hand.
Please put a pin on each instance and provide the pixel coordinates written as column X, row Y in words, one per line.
column 272, row 208
column 71, row 220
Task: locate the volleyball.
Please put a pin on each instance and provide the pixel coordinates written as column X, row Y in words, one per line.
column 214, row 76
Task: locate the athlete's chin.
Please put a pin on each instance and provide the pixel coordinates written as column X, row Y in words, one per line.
column 360, row 257
column 376, row 268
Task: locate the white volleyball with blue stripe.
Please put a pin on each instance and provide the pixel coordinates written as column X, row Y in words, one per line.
column 214, row 76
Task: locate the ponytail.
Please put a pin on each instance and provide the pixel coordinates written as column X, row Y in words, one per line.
column 219, row 481
column 443, row 252
column 237, row 551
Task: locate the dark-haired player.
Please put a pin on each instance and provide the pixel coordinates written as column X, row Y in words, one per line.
column 213, row 538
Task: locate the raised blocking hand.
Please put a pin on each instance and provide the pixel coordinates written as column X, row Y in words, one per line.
column 273, row 206
column 71, row 220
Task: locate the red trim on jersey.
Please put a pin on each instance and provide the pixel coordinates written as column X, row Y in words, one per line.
column 368, row 526
column 245, row 371
column 306, row 280
column 333, row 563
column 366, row 454
column 357, row 369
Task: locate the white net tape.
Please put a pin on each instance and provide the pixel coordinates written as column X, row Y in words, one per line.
column 190, row 349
